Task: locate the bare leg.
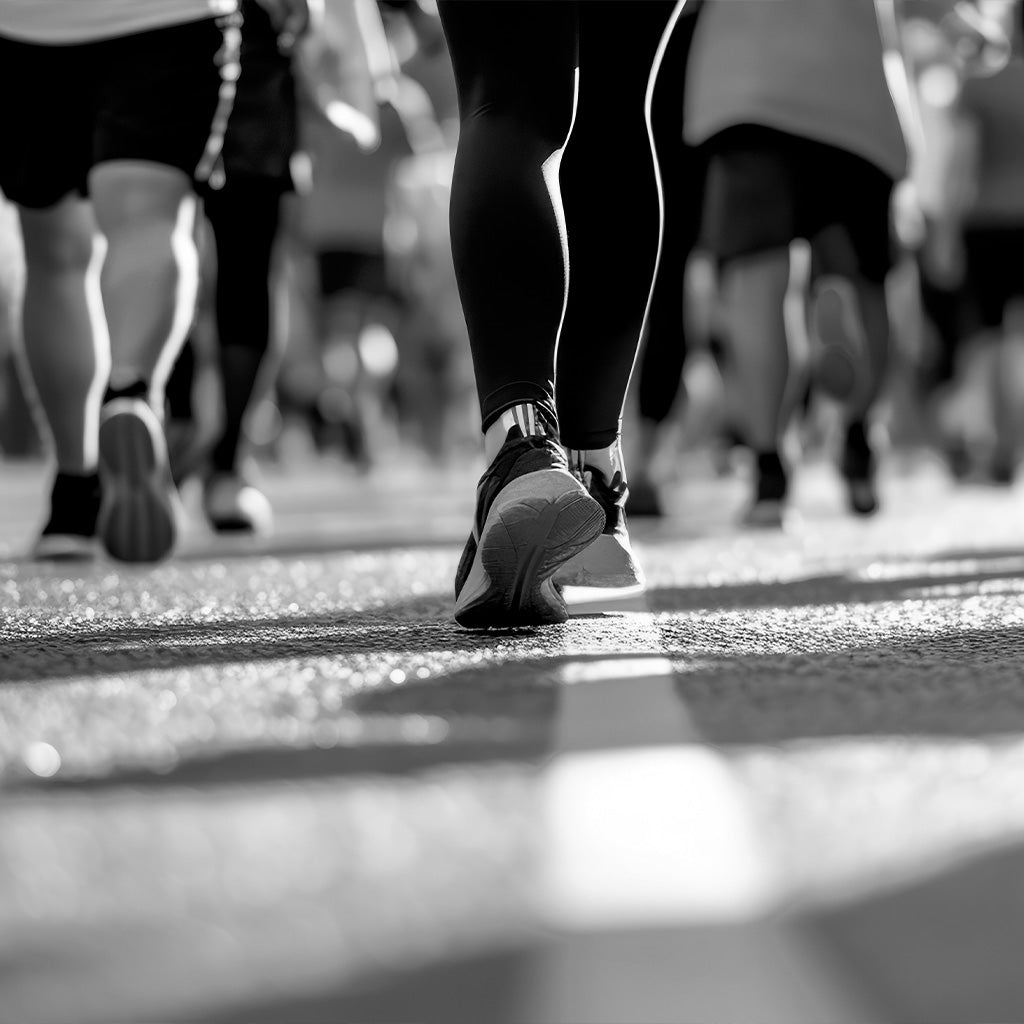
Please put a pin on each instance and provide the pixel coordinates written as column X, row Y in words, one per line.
column 753, row 290
column 150, row 276
column 65, row 336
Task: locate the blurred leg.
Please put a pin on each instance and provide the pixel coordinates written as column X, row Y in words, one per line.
column 753, row 289
column 244, row 219
column 151, row 272
column 64, row 332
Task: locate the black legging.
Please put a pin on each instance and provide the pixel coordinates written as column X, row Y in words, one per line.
column 515, row 63
column 244, row 217
column 660, row 369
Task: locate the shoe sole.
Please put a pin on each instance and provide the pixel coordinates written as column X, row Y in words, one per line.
column 536, row 524
column 137, row 519
column 64, row 547
column 861, row 497
column 837, row 367
column 765, row 515
column 604, row 564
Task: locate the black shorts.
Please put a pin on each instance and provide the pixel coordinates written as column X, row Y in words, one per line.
column 162, row 96
column 994, row 257
column 766, row 188
column 262, row 133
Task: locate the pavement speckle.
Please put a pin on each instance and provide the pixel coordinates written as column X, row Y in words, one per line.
column 289, row 767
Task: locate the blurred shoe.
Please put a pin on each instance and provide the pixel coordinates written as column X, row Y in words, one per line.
column 767, row 510
column 183, row 449
column 839, row 344
column 609, row 561
column 644, row 500
column 137, row 521
column 233, row 505
column 70, row 532
column 532, row 515
column 858, row 470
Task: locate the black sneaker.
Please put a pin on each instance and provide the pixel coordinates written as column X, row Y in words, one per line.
column 767, row 511
column 70, row 532
column 857, row 467
column 138, row 514
column 532, row 515
column 609, row 561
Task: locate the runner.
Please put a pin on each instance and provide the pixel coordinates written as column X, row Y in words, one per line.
column 795, row 151
column 516, row 70
column 243, row 211
column 129, row 104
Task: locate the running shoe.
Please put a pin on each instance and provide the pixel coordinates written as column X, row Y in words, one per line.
column 70, row 533
column 233, row 505
column 609, row 561
column 837, row 334
column 137, row 521
column 767, row 510
column 857, row 467
column 532, row 516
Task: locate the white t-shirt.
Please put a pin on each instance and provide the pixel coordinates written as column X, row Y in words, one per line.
column 60, row 22
column 812, row 68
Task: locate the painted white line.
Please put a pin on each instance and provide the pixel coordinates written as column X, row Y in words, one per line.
column 649, row 837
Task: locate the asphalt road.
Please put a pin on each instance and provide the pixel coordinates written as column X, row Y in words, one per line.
column 273, row 781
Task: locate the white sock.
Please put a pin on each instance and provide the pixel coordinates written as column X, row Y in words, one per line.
column 608, row 460
column 524, row 416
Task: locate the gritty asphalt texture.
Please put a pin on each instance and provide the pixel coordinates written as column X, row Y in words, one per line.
column 239, row 785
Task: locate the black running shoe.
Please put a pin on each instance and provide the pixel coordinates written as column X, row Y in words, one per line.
column 767, row 511
column 609, row 561
column 70, row 532
column 532, row 515
column 138, row 514
column 857, row 467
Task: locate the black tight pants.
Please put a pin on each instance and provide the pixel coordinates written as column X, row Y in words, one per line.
column 515, row 63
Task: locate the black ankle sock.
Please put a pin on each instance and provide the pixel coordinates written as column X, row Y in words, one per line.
column 771, row 476
column 137, row 389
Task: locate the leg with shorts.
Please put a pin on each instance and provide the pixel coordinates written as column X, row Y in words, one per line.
column 847, row 222
column 162, row 105
column 244, row 215
column 751, row 215
column 43, row 167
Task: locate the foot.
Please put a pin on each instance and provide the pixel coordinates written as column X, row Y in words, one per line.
column 232, row 505
column 858, row 470
column 839, row 342
column 609, row 561
column 767, row 510
column 532, row 516
column 70, row 532
column 138, row 513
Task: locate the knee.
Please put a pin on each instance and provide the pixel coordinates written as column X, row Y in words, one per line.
column 57, row 242
column 134, row 198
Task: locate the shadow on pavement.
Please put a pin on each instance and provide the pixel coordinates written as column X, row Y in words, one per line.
column 944, row 948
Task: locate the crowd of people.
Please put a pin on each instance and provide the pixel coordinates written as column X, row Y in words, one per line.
column 514, row 194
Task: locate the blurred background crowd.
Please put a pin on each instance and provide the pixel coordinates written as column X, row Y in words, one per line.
column 370, row 363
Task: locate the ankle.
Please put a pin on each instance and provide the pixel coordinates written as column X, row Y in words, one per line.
column 608, row 461
column 528, row 417
column 126, row 389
